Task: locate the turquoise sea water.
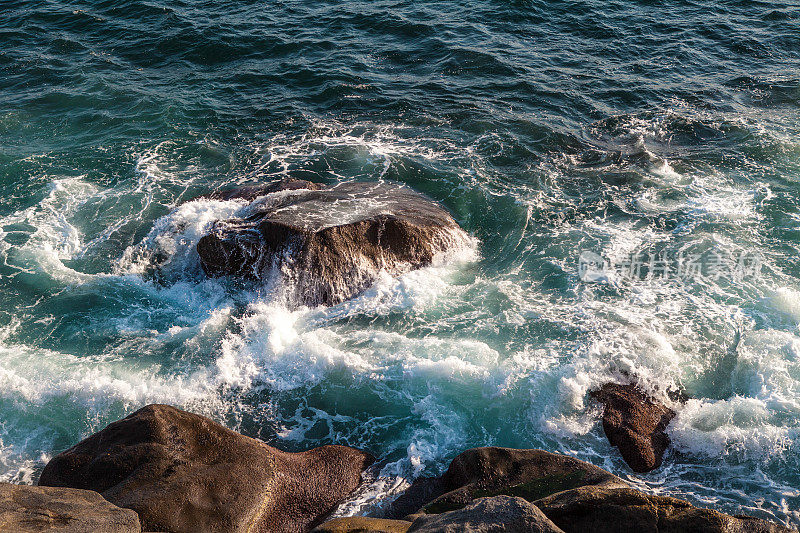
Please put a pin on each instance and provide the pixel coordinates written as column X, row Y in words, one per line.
column 624, row 128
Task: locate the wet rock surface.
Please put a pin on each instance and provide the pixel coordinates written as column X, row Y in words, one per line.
column 329, row 244
column 362, row 524
column 35, row 509
column 635, row 424
column 617, row 510
column 182, row 472
column 492, row 471
column 498, row 514
column 576, row 496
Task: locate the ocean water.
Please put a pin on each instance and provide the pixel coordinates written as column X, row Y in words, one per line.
column 629, row 130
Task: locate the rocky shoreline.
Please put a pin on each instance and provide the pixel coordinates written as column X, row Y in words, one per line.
column 164, row 469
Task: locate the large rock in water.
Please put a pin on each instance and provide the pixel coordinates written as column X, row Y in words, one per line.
column 499, row 514
column 635, row 424
column 330, row 243
column 616, row 510
column 36, row 509
column 185, row 473
column 491, row 471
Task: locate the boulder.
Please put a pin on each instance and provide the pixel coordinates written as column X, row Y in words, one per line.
column 635, row 424
column 185, row 473
column 576, row 496
column 619, row 510
column 362, row 524
column 330, row 244
column 492, row 471
column 498, row 514
column 34, row 509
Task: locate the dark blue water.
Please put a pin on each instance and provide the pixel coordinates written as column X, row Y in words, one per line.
column 626, row 129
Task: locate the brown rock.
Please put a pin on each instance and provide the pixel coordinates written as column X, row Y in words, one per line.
column 635, row 424
column 34, row 509
column 363, row 524
column 491, row 471
column 185, row 473
column 499, row 514
column 578, row 497
column 331, row 244
column 621, row 510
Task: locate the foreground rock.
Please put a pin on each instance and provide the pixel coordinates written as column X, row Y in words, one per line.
column 329, row 244
column 363, row 524
column 576, row 496
column 35, row 509
column 635, row 424
column 615, row 510
column 499, row 514
column 185, row 473
column 479, row 472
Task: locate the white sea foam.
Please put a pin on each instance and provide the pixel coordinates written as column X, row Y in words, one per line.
column 378, row 144
column 711, row 194
column 286, row 349
column 171, row 244
column 739, row 427
column 34, row 380
column 270, row 350
column 786, row 300
column 50, row 236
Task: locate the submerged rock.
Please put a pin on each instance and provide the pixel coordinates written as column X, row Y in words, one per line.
column 617, row 510
column 488, row 515
column 491, row 471
column 33, row 509
column 185, row 473
column 635, row 424
column 332, row 243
